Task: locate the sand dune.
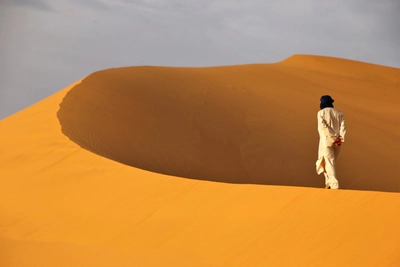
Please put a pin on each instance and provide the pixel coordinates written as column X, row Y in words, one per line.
column 240, row 124
column 172, row 128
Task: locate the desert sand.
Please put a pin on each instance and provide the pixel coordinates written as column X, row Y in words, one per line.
column 161, row 166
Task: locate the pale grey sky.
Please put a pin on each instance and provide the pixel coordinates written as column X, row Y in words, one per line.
column 48, row 44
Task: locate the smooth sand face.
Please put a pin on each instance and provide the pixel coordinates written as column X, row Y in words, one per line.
column 242, row 124
column 62, row 205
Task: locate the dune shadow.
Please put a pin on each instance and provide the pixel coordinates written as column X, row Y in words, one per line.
column 183, row 128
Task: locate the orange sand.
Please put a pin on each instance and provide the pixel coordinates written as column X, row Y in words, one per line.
column 61, row 205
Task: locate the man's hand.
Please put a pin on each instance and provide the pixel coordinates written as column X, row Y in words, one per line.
column 338, row 141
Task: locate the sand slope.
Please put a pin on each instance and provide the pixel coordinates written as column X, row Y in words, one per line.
column 62, row 205
column 241, row 124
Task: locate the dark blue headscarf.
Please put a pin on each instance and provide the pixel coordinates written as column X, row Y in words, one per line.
column 326, row 102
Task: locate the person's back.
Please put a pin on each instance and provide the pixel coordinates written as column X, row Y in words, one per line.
column 330, row 125
column 331, row 129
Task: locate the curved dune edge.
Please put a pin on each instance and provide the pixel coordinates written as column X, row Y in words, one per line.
column 63, row 205
column 252, row 124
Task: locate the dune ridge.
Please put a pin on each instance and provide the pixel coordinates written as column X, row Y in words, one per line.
column 345, row 67
column 62, row 205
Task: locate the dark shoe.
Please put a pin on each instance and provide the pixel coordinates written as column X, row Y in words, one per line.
column 327, row 186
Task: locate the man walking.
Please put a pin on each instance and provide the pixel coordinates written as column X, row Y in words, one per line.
column 331, row 129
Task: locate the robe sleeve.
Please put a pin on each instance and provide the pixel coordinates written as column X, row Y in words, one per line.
column 327, row 130
column 342, row 127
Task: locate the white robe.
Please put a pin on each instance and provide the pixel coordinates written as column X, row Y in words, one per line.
column 331, row 125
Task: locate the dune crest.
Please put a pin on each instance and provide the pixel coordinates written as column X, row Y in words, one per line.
column 351, row 69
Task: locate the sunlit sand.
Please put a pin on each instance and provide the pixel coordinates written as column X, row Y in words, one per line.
column 159, row 166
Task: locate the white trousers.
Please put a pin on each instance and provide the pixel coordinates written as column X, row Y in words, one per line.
column 330, row 155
